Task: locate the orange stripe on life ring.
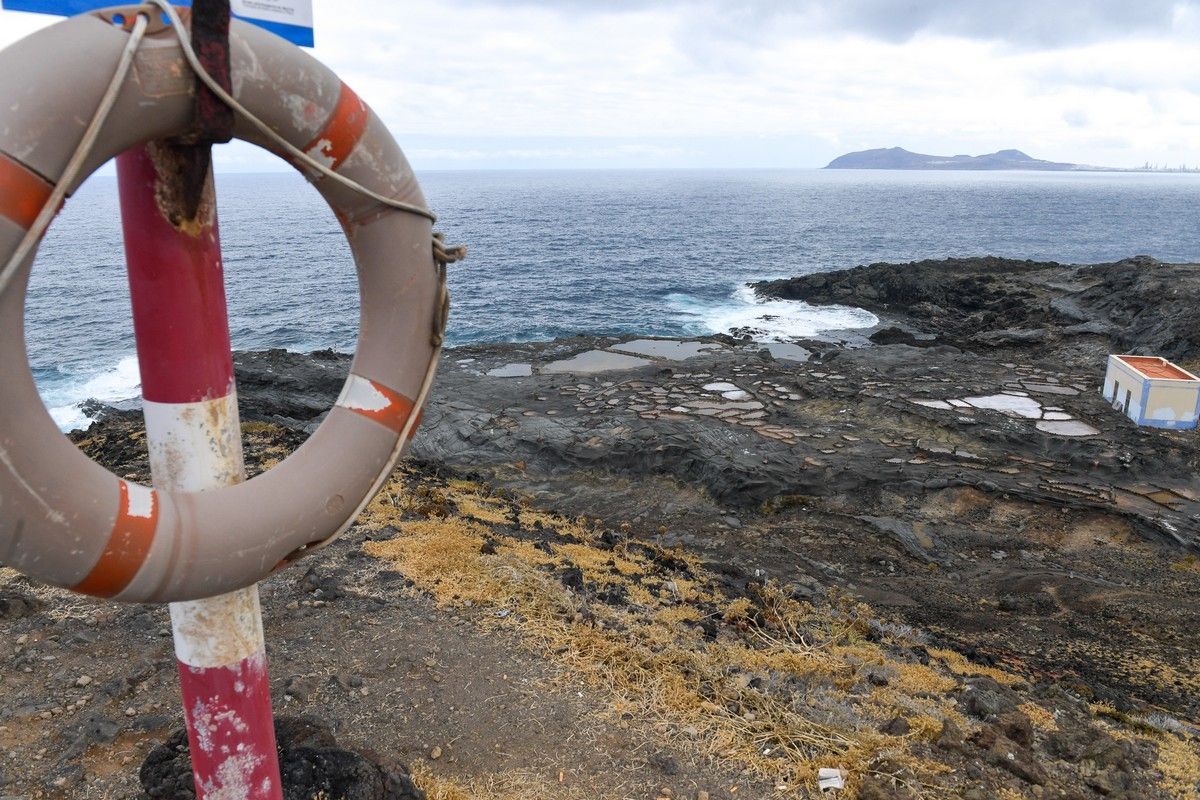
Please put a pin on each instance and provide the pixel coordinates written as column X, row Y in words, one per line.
column 22, row 192
column 128, row 545
column 378, row 402
column 341, row 133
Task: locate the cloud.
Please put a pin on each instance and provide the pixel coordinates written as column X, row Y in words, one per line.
column 1076, row 118
column 1027, row 23
column 714, row 83
column 1035, row 23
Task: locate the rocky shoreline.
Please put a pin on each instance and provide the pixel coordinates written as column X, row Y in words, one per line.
column 1078, row 312
column 954, row 468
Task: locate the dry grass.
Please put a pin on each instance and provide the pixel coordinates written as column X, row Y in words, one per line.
column 514, row 785
column 1178, row 751
column 1039, row 717
column 781, row 691
column 1179, row 762
column 769, row 685
column 958, row 664
column 1189, row 563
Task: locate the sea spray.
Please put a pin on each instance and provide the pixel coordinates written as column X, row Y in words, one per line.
column 64, row 392
column 772, row 320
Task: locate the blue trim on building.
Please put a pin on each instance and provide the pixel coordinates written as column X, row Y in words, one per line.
column 1141, row 418
column 1171, row 424
column 1183, row 424
column 296, row 34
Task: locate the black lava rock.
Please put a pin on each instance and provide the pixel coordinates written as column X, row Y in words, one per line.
column 311, row 766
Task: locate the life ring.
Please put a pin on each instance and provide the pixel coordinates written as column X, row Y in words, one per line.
column 69, row 522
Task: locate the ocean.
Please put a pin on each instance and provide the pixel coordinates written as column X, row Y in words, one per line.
column 603, row 252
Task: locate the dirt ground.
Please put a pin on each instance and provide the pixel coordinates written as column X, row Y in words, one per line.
column 90, row 687
column 502, row 648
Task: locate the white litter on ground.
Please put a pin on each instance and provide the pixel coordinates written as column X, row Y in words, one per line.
column 830, row 778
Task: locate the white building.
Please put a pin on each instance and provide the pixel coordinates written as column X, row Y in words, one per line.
column 1152, row 391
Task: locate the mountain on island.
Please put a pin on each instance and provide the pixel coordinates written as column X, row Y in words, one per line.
column 899, row 158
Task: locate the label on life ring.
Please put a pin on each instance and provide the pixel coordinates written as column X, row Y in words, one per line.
column 289, row 19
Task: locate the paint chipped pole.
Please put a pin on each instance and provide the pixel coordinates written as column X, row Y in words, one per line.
column 194, row 438
column 176, row 279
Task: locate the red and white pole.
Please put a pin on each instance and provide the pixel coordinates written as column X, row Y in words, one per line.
column 180, row 322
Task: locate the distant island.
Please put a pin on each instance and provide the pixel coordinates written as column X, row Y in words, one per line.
column 899, row 158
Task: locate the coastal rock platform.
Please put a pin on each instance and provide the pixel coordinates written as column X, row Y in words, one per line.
column 618, row 567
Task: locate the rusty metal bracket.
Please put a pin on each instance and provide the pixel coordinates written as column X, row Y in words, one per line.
column 214, row 119
column 190, row 155
column 210, row 40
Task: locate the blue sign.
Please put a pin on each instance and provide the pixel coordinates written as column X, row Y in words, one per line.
column 290, row 19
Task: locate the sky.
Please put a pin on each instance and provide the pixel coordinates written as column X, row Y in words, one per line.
column 546, row 84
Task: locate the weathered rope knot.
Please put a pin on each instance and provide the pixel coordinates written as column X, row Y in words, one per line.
column 441, row 318
column 443, row 254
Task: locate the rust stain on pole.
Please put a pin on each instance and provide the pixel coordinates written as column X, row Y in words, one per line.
column 184, row 194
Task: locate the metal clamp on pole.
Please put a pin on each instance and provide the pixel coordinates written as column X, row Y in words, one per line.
column 210, row 40
column 214, row 118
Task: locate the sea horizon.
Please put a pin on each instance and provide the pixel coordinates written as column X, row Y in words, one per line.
column 109, row 170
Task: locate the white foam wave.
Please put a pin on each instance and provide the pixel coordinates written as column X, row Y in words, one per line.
column 778, row 320
column 120, row 382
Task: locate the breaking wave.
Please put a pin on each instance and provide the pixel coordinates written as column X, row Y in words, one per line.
column 772, row 320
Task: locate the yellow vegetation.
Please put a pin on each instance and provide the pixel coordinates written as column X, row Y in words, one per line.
column 1041, row 719
column 766, row 683
column 1178, row 754
column 958, row 664
column 771, row 693
column 1189, row 563
column 505, row 786
column 1179, row 762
